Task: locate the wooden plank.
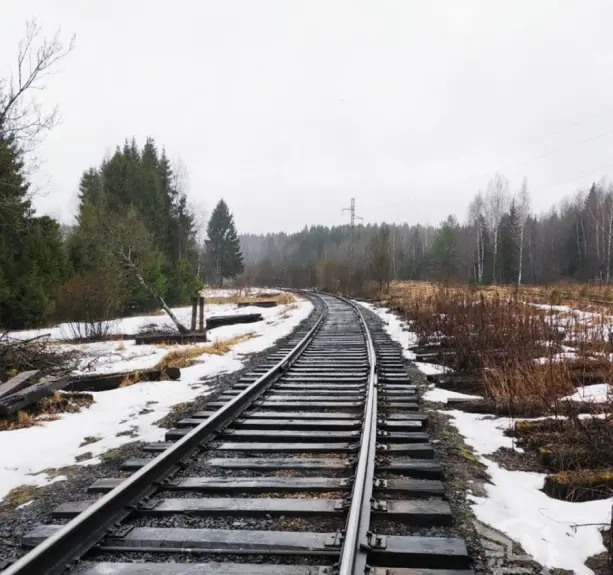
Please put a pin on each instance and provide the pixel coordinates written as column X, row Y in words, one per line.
column 427, row 552
column 256, row 413
column 415, row 468
column 222, row 320
column 236, row 484
column 385, row 571
column 224, row 506
column 255, row 463
column 290, row 447
column 26, row 397
column 105, row 382
column 206, row 540
column 417, row 512
column 257, row 303
column 307, row 404
column 170, row 338
column 412, row 487
column 17, row 383
column 276, row 435
column 167, row 568
column 413, row 449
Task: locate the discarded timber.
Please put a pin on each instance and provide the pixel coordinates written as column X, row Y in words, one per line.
column 26, row 397
column 257, row 303
column 104, row 382
column 222, row 320
column 17, row 383
column 172, row 337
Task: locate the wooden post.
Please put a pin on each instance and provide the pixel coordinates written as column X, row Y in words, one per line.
column 194, row 312
column 201, row 301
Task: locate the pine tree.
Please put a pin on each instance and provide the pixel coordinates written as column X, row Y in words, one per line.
column 445, row 249
column 32, row 258
column 223, row 247
column 138, row 182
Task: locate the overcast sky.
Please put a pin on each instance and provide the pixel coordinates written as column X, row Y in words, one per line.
column 288, row 108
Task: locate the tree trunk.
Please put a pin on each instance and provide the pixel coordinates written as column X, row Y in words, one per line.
column 609, row 243
column 128, row 260
column 495, row 255
column 521, row 254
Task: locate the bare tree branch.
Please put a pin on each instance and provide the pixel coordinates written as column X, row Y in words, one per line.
column 21, row 115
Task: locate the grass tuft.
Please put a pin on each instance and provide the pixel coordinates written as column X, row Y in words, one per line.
column 186, row 356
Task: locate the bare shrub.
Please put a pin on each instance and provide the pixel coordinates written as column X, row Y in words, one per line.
column 480, row 329
column 89, row 303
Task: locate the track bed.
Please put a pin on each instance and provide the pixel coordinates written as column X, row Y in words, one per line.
column 318, row 461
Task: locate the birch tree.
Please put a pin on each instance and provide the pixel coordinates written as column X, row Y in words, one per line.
column 523, row 211
column 496, row 203
column 476, row 212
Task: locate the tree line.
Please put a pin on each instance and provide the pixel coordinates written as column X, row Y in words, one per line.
column 500, row 241
column 134, row 246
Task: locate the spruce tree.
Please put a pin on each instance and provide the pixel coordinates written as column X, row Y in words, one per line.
column 223, row 246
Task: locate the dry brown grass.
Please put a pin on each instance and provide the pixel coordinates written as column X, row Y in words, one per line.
column 478, row 329
column 48, row 409
column 281, row 298
column 130, row 379
column 527, row 387
column 186, row 356
column 587, row 297
column 121, row 346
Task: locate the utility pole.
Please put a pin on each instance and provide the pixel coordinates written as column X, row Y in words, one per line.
column 351, row 210
column 351, row 254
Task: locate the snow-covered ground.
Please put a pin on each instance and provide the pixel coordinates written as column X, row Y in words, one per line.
column 132, row 325
column 557, row 534
column 438, row 395
column 129, row 414
column 597, row 393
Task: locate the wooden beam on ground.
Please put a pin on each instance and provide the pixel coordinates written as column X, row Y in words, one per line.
column 222, row 320
column 26, row 397
column 17, row 383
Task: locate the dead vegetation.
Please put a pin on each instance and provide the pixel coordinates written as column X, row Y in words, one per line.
column 48, row 409
column 526, row 361
column 280, row 298
column 17, row 355
column 187, row 356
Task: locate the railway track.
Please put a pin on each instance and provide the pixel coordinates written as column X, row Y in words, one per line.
column 315, row 463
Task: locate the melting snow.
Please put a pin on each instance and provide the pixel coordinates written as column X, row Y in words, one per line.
column 557, row 534
column 597, row 393
column 129, row 414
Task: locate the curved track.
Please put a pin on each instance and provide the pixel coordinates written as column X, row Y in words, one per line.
column 317, row 462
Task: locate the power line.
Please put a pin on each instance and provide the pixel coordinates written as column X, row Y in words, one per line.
column 351, row 210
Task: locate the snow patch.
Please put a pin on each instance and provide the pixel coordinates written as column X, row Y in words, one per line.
column 558, row 534
column 597, row 393
column 438, row 395
column 129, row 414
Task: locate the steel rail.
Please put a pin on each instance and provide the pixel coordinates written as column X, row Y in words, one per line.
column 355, row 542
column 59, row 551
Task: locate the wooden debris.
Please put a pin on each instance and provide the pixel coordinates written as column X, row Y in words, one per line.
column 17, row 383
column 104, row 382
column 171, row 337
column 222, row 320
column 21, row 399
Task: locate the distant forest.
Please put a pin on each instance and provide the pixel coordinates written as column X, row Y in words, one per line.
column 137, row 245
column 500, row 241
